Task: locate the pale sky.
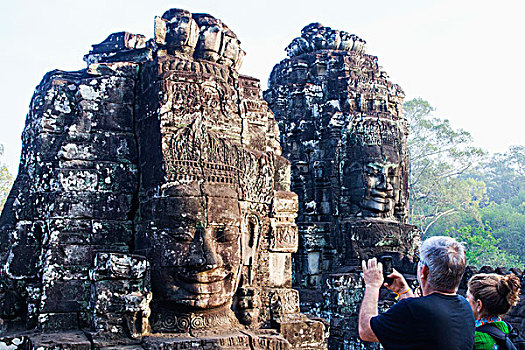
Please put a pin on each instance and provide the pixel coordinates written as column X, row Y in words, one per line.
column 465, row 57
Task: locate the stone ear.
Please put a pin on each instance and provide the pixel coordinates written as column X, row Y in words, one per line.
column 251, row 228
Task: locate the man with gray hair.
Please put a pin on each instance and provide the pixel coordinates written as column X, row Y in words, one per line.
column 438, row 319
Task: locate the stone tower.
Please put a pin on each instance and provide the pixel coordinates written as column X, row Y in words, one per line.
column 152, row 208
column 343, row 131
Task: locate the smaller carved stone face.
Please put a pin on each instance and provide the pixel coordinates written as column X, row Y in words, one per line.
column 373, row 170
column 202, row 258
column 381, row 180
column 374, row 181
column 182, row 32
column 231, row 50
column 209, row 44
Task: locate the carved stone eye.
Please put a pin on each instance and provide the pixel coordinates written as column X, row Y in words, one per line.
column 183, row 234
column 371, row 171
column 220, row 234
column 225, row 234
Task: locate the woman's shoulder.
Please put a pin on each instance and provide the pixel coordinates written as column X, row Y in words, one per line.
column 502, row 326
column 483, row 341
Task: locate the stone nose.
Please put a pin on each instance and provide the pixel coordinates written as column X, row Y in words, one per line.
column 384, row 181
column 203, row 253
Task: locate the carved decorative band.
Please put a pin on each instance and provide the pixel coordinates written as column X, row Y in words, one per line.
column 173, row 322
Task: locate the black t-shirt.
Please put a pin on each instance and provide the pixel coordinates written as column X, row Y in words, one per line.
column 435, row 321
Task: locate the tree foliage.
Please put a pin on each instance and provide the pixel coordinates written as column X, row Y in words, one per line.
column 482, row 248
column 504, row 174
column 459, row 189
column 6, row 181
column 439, row 154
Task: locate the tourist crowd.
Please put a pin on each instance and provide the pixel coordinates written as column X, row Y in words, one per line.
column 435, row 316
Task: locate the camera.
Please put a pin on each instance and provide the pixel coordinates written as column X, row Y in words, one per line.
column 388, row 268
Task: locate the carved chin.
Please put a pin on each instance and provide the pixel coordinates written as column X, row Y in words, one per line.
column 378, row 204
column 204, row 301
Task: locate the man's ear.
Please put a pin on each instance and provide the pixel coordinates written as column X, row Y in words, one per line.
column 424, row 272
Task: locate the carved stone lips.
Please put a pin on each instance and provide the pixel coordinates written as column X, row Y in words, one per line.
column 382, row 196
column 210, row 276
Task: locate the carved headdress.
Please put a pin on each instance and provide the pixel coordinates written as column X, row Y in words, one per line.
column 195, row 154
column 375, row 136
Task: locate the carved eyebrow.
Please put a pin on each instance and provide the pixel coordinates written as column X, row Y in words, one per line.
column 180, row 233
column 379, row 166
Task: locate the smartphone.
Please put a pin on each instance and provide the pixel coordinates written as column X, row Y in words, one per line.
column 386, row 260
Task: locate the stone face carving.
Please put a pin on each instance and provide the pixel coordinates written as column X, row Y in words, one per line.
column 181, row 32
column 152, row 208
column 317, row 37
column 197, row 247
column 199, row 35
column 373, row 165
column 343, row 131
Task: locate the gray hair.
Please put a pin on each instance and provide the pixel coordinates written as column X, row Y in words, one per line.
column 446, row 262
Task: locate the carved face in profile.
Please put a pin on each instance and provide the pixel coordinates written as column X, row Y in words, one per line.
column 201, row 254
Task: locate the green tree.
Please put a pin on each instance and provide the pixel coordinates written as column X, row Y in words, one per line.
column 482, row 248
column 504, row 174
column 508, row 223
column 439, row 157
column 6, row 181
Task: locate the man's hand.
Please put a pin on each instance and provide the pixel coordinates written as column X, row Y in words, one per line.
column 373, row 276
column 372, row 273
column 399, row 285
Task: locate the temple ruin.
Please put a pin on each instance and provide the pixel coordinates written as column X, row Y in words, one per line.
column 162, row 203
column 152, row 208
column 343, row 130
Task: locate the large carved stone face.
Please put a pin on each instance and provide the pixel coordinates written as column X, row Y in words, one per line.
column 201, row 257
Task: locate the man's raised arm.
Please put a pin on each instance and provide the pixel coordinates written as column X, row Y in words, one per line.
column 373, row 276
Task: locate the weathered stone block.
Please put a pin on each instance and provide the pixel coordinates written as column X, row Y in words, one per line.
column 66, row 296
column 69, row 254
column 68, row 231
column 111, row 206
column 283, row 302
column 117, row 177
column 106, row 88
column 303, row 334
column 121, row 69
column 54, row 322
column 23, row 261
column 284, row 238
column 110, row 233
column 285, row 202
column 28, row 232
column 120, row 41
column 59, row 340
column 114, row 266
column 279, row 276
column 107, row 146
